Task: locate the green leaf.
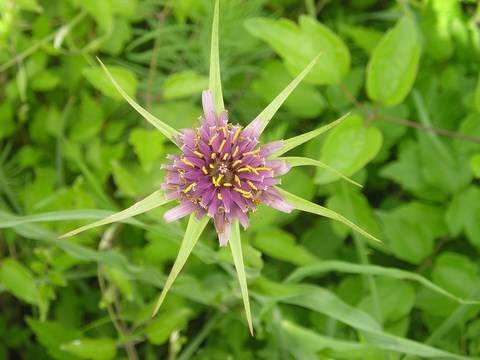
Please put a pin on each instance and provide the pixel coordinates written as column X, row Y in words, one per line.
column 215, row 81
column 326, row 302
column 165, row 129
column 329, row 266
column 124, row 78
column 365, row 38
column 348, row 148
column 393, row 65
column 18, row 280
column 159, row 330
column 236, row 247
column 267, row 114
column 304, row 205
column 102, row 12
column 302, row 161
column 193, row 232
column 152, row 201
column 477, row 95
column 292, row 143
column 298, row 45
column 281, row 245
column 148, row 146
column 97, row 349
column 183, row 84
column 475, row 165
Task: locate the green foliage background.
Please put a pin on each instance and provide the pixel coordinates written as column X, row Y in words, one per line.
column 407, row 70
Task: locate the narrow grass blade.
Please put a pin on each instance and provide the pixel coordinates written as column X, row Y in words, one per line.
column 267, row 114
column 193, row 232
column 302, row 161
column 215, row 81
column 292, row 143
column 236, row 247
column 164, row 128
column 152, row 201
column 325, row 267
column 305, row 205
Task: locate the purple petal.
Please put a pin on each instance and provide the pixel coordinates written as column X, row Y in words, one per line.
column 223, row 229
column 279, row 167
column 185, row 208
column 254, row 129
column 271, row 148
column 209, row 107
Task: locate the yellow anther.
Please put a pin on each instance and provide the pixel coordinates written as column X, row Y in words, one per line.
column 263, row 168
column 225, row 156
column 244, row 169
column 213, row 139
column 253, row 169
column 236, row 163
column 251, row 152
column 227, row 184
column 252, row 185
column 213, row 156
column 237, row 180
column 219, row 196
column 211, row 166
column 198, row 153
column 216, row 181
column 190, row 187
column 244, row 193
column 235, row 152
column 186, row 162
column 224, row 130
column 237, row 133
column 205, row 171
column 222, row 144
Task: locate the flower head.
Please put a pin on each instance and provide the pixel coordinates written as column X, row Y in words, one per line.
column 223, row 172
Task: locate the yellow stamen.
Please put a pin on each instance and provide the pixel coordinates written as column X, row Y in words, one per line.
column 219, row 196
column 190, row 187
column 244, row 193
column 222, row 145
column 216, row 181
column 252, row 185
column 211, row 166
column 244, row 169
column 251, row 152
column 213, row 139
column 224, row 130
column 237, row 133
column 235, row 152
column 213, row 156
column 263, row 168
column 227, row 184
column 205, row 171
column 253, row 169
column 186, row 162
column 225, row 156
column 237, row 180
column 236, row 163
column 198, row 153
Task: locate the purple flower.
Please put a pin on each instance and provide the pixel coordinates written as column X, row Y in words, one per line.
column 223, row 172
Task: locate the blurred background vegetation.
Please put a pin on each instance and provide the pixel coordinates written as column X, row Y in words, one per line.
column 71, row 150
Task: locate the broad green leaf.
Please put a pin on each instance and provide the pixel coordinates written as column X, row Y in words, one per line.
column 365, row 38
column 18, row 280
column 292, row 143
column 236, row 247
column 326, row 302
column 267, row 114
column 152, row 201
column 393, row 65
column 184, row 84
column 148, row 146
column 96, row 349
column 412, row 229
column 159, row 330
column 281, row 245
column 102, row 12
column 302, row 161
column 305, row 102
column 326, row 267
column 124, row 78
column 348, row 148
column 475, row 165
column 165, row 129
column 304, row 205
column 215, row 81
column 298, row 45
column 301, row 340
column 193, row 232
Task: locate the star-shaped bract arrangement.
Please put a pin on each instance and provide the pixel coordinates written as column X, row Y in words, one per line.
column 223, row 173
